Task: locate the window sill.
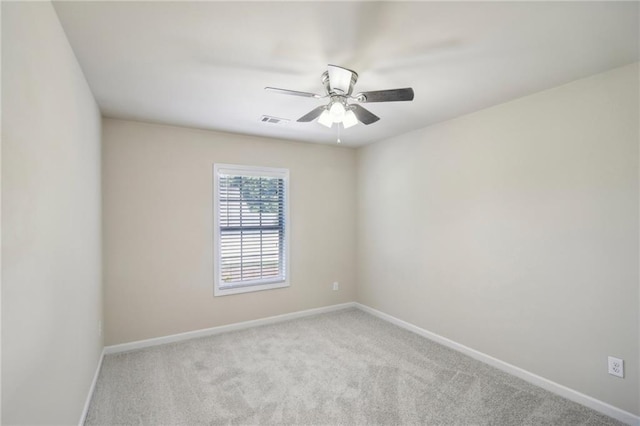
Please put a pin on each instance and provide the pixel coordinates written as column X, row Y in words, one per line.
column 249, row 288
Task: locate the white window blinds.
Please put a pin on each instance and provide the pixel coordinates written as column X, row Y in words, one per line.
column 251, row 226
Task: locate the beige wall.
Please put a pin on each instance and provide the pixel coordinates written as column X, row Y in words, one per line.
column 51, row 243
column 159, row 228
column 514, row 231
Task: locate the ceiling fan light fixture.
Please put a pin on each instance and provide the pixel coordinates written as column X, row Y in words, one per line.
column 325, row 119
column 338, row 83
column 349, row 119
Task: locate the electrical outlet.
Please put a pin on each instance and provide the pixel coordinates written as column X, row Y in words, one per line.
column 616, row 366
column 336, row 286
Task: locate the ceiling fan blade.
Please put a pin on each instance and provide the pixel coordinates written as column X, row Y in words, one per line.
column 364, row 115
column 341, row 79
column 292, row 92
column 315, row 113
column 391, row 95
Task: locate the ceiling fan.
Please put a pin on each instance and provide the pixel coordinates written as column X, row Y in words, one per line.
column 338, row 83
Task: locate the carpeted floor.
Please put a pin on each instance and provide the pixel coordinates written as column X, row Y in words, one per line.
column 345, row 367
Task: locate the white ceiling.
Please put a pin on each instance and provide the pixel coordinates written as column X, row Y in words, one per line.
column 205, row 64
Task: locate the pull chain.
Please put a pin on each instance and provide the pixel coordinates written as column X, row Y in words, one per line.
column 339, row 125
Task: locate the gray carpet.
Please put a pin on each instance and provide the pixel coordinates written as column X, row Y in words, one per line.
column 345, row 367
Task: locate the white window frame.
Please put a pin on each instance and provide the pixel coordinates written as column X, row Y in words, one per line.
column 219, row 288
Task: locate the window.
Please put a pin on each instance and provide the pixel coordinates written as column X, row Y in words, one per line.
column 251, row 228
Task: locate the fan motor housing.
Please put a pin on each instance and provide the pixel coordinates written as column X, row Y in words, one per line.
column 327, row 86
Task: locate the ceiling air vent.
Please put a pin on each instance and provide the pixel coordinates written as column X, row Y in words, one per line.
column 272, row 120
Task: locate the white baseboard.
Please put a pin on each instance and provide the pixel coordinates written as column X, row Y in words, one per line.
column 85, row 410
column 124, row 347
column 558, row 389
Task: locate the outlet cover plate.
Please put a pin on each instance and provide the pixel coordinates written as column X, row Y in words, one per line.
column 616, row 366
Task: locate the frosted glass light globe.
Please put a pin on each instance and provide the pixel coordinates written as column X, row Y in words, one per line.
column 337, row 112
column 325, row 119
column 349, row 120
